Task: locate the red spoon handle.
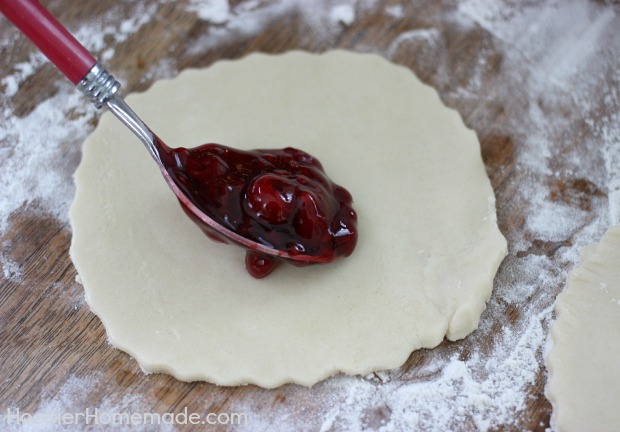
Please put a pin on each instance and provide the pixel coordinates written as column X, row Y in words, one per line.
column 52, row 39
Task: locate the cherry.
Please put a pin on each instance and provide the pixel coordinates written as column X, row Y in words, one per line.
column 270, row 197
column 280, row 198
column 259, row 264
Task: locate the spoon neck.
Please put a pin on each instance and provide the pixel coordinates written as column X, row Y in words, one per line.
column 129, row 118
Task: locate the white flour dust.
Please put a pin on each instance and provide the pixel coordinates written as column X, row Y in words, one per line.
column 216, row 11
column 67, row 398
column 545, row 84
column 37, row 153
column 11, row 270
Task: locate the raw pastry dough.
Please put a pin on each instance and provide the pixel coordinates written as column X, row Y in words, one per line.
column 428, row 249
column 584, row 363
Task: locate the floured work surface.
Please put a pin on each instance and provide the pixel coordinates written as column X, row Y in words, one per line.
column 424, row 264
column 584, row 371
column 552, row 157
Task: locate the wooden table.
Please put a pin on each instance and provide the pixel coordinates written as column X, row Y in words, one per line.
column 52, row 348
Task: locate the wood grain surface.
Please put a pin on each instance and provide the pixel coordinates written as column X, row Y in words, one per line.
column 47, row 332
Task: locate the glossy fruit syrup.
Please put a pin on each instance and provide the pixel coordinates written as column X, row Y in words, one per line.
column 279, row 198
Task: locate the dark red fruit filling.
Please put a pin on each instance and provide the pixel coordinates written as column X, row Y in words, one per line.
column 279, row 198
column 259, row 264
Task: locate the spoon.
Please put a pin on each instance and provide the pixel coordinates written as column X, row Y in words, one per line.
column 94, row 81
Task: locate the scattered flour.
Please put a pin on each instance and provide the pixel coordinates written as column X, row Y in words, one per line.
column 427, row 36
column 608, row 131
column 395, row 11
column 37, row 155
column 22, row 71
column 343, row 13
column 67, row 398
column 475, row 392
column 100, row 38
column 547, row 52
column 214, row 11
column 11, row 270
column 243, row 20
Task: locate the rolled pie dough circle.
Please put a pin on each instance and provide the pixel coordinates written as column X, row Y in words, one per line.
column 428, row 249
column 584, row 361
